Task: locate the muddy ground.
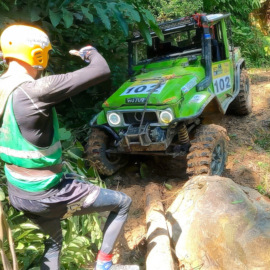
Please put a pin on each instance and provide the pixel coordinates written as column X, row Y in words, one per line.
column 248, row 164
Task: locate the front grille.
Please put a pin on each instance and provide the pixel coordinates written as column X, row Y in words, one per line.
column 135, row 117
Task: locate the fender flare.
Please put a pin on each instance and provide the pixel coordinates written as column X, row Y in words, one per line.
column 194, row 116
column 238, row 67
column 237, row 74
column 108, row 130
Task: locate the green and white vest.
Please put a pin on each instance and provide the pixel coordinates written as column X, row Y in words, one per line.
column 15, row 149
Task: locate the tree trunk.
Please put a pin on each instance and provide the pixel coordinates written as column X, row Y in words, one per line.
column 159, row 255
column 5, row 232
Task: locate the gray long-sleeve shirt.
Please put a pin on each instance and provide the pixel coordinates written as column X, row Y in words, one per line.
column 33, row 101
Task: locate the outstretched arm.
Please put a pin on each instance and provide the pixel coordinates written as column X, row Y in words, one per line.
column 50, row 90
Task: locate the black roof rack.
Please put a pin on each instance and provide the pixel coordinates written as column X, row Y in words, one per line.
column 184, row 22
column 170, row 26
column 175, row 24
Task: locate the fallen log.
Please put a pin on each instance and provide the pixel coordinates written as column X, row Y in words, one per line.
column 159, row 255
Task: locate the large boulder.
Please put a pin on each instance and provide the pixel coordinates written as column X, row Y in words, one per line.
column 216, row 224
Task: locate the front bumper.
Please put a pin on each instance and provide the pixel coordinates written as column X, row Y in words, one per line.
column 139, row 139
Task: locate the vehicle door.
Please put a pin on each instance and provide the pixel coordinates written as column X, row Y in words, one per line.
column 222, row 66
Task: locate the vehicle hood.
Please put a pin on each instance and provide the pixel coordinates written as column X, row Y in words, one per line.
column 167, row 84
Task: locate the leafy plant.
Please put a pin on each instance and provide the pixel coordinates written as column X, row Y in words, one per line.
column 173, row 9
column 261, row 188
column 254, row 45
column 262, row 139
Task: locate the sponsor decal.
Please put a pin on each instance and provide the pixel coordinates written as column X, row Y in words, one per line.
column 217, row 70
column 220, row 70
column 189, row 85
column 197, row 99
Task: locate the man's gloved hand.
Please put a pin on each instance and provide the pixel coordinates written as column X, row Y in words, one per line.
column 83, row 52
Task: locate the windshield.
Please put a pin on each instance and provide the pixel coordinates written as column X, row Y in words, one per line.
column 174, row 44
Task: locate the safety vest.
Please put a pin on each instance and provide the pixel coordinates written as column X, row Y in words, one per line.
column 15, row 149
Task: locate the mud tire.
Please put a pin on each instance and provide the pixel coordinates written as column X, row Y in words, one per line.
column 242, row 104
column 98, row 143
column 208, row 151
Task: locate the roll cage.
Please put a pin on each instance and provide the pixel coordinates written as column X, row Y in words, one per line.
column 199, row 25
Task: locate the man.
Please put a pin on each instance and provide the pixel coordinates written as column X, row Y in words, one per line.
column 30, row 146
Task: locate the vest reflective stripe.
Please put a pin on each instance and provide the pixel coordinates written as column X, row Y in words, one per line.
column 28, row 177
column 30, row 154
column 34, row 186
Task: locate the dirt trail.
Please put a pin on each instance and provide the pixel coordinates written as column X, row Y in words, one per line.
column 248, row 164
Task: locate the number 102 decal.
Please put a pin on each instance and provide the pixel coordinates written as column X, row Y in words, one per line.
column 143, row 89
column 222, row 84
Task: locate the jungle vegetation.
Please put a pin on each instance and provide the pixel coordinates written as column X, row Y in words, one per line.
column 107, row 25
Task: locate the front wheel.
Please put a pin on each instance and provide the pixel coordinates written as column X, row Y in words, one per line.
column 208, row 151
column 98, row 143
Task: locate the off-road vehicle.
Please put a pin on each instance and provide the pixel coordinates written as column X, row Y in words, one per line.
column 176, row 88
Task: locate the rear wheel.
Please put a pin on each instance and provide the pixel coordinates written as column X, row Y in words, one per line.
column 242, row 104
column 208, row 151
column 98, row 143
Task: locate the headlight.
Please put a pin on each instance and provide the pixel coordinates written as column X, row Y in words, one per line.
column 114, row 119
column 166, row 117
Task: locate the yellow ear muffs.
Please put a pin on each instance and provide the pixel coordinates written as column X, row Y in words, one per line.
column 37, row 56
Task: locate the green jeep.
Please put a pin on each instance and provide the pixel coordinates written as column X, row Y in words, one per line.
column 176, row 88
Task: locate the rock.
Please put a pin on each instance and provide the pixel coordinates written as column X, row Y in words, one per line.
column 217, row 224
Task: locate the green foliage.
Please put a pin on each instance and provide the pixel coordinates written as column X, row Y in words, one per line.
column 262, row 138
column 262, row 189
column 82, row 238
column 173, row 9
column 240, row 8
column 254, row 45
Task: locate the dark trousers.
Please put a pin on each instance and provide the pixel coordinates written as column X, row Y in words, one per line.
column 47, row 214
